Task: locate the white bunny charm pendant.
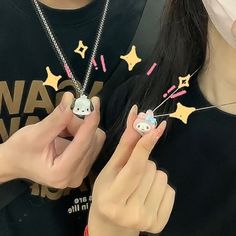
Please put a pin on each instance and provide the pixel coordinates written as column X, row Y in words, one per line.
column 145, row 122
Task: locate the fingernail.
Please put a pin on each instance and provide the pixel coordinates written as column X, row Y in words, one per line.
column 95, row 100
column 160, row 130
column 64, row 104
column 134, row 109
column 162, row 126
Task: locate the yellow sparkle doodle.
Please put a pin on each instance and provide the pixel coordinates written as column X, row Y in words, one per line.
column 131, row 58
column 182, row 113
column 184, row 81
column 81, row 49
column 52, row 80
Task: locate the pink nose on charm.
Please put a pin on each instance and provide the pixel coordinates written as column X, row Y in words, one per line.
column 145, row 122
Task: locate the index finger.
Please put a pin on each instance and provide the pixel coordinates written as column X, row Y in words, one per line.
column 127, row 142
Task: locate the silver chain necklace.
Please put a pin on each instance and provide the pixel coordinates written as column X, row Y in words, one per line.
column 82, row 106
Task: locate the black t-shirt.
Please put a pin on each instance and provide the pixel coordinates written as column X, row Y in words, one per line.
column 200, row 160
column 25, row 54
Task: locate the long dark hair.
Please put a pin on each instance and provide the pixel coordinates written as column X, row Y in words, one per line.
column 181, row 49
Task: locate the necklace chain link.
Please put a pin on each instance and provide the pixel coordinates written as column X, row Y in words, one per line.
column 59, row 51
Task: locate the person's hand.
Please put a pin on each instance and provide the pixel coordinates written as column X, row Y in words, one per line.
column 130, row 195
column 40, row 152
column 234, row 29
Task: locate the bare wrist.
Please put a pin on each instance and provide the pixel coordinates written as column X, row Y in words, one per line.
column 99, row 226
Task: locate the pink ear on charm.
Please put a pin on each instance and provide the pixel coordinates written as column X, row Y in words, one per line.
column 145, row 122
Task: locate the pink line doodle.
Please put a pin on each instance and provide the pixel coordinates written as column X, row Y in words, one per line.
column 68, row 71
column 179, row 94
column 103, row 63
column 150, row 71
column 95, row 64
column 169, row 91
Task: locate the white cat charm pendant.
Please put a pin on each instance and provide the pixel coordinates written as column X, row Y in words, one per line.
column 145, row 122
column 82, row 106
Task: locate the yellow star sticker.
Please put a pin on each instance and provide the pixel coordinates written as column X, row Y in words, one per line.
column 81, row 49
column 52, row 80
column 131, row 58
column 182, row 113
column 184, row 81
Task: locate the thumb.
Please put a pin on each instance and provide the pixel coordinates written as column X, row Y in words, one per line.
column 127, row 142
column 50, row 127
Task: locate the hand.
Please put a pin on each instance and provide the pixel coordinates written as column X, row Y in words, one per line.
column 38, row 152
column 130, row 195
column 234, row 29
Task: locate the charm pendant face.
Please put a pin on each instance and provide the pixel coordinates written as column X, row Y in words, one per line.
column 82, row 106
column 145, row 122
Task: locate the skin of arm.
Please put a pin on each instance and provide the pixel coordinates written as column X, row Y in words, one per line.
column 6, row 172
column 98, row 226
